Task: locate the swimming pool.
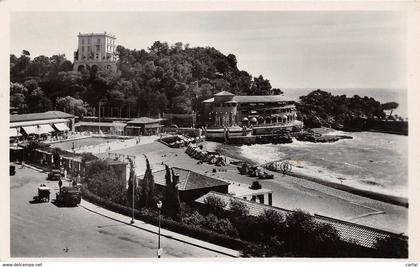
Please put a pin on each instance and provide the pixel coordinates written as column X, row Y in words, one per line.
column 68, row 145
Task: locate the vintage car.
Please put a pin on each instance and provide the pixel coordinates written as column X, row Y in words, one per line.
column 12, row 169
column 43, row 193
column 69, row 196
column 54, row 175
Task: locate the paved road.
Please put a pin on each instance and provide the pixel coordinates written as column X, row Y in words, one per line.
column 44, row 230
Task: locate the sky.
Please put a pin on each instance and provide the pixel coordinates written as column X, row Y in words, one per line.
column 293, row 49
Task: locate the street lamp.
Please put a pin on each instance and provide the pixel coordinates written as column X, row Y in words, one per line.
column 133, row 185
column 159, row 252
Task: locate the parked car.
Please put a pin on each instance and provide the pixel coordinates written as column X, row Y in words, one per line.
column 69, row 196
column 54, row 175
column 12, row 169
column 43, row 193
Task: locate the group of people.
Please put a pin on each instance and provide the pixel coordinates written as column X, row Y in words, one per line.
column 72, row 182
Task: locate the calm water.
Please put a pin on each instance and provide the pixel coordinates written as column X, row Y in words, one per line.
column 379, row 94
column 373, row 161
column 82, row 142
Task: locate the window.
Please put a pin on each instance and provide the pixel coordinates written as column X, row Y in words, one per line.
column 83, row 49
column 88, row 41
column 83, row 41
column 98, row 41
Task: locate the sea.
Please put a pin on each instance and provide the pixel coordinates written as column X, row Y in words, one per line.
column 371, row 161
column 382, row 95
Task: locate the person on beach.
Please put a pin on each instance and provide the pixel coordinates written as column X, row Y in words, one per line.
column 60, row 183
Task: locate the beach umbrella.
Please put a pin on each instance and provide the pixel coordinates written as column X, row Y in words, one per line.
column 245, row 119
column 253, row 119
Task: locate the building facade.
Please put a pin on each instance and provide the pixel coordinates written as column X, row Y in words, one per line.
column 262, row 113
column 143, row 126
column 95, row 51
column 44, row 126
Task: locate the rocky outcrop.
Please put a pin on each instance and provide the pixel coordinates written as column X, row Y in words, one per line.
column 307, row 136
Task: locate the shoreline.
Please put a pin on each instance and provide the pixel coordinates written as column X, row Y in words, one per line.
column 289, row 192
column 395, row 200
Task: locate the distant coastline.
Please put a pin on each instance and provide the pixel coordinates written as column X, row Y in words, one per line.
column 382, row 95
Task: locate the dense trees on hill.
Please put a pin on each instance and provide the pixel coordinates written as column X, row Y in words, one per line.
column 320, row 108
column 165, row 78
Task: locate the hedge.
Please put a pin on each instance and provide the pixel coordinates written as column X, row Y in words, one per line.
column 188, row 230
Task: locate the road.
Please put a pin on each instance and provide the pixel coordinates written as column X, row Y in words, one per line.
column 45, row 230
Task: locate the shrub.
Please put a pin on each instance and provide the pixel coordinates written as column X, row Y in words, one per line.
column 194, row 218
column 391, row 247
column 222, row 226
column 238, row 208
column 248, row 228
column 102, row 180
column 214, row 205
column 272, row 223
column 320, row 239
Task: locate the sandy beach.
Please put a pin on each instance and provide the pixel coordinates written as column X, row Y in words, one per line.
column 288, row 192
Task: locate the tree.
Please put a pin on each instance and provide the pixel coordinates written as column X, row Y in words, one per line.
column 147, row 188
column 222, row 226
column 215, row 205
column 102, row 180
column 238, row 208
column 56, row 156
column 171, row 204
column 166, row 78
column 260, row 86
column 272, row 223
column 18, row 94
column 72, row 105
column 392, row 247
column 390, row 106
column 38, row 102
column 321, row 240
column 130, row 189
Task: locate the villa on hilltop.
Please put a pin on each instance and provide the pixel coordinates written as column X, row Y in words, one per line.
column 95, row 50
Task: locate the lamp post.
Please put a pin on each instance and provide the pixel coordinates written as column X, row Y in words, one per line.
column 133, row 184
column 132, row 210
column 159, row 252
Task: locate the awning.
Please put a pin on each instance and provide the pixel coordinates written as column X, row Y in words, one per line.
column 13, row 132
column 61, row 127
column 151, row 126
column 30, row 130
column 45, row 129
